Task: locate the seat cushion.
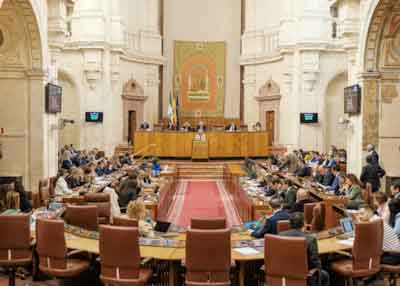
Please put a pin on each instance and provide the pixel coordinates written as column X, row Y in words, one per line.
column 391, row 268
column 344, row 268
column 144, row 276
column 74, row 268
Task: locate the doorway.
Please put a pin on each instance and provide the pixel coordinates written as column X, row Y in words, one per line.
column 131, row 126
column 270, row 125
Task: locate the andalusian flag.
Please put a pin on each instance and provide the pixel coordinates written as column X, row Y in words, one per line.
column 172, row 110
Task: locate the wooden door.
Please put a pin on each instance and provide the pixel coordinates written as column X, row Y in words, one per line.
column 131, row 125
column 270, row 125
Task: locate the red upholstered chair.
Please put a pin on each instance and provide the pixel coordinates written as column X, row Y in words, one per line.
column 202, row 268
column 124, row 221
column 54, row 260
column 102, row 201
column 366, row 254
column 391, row 274
column 15, row 243
column 120, row 262
column 200, row 223
column 286, row 261
column 282, row 226
column 44, row 192
column 82, row 216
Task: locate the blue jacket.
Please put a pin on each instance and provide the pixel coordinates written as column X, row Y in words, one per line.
column 270, row 224
column 335, row 185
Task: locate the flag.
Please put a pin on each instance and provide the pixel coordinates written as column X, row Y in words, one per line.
column 170, row 111
column 177, row 105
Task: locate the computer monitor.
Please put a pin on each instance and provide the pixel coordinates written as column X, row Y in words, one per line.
column 162, row 226
column 347, row 225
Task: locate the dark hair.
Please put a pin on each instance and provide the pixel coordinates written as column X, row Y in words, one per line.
column 276, row 181
column 396, row 184
column 288, row 182
column 353, row 178
column 381, row 197
column 275, row 203
column 394, row 208
column 296, row 220
column 336, row 168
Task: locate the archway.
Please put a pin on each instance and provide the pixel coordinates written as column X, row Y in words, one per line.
column 133, row 108
column 334, row 110
column 381, row 84
column 70, row 110
column 269, row 100
column 22, row 98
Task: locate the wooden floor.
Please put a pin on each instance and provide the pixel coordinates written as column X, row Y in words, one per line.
column 4, row 282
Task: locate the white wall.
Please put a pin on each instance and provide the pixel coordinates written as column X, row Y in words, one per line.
column 205, row 20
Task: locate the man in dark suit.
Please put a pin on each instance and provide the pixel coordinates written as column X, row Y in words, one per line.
column 297, row 224
column 372, row 173
column 328, row 177
column 372, row 152
column 145, row 125
column 270, row 224
column 231, row 127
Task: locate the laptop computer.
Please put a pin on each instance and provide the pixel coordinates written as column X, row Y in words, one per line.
column 162, row 226
column 348, row 229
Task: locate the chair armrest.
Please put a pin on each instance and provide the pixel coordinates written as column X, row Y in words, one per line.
column 314, row 271
column 344, row 253
column 74, row 252
column 145, row 261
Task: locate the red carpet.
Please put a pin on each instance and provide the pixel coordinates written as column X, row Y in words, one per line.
column 203, row 200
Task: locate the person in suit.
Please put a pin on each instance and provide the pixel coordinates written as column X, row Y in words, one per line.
column 328, row 177
column 335, row 186
column 25, row 205
column 273, row 187
column 269, row 227
column 128, row 190
column 395, row 189
column 289, row 193
column 100, row 170
column 297, row 225
column 353, row 192
column 231, row 127
column 372, row 152
column 201, row 126
column 303, row 170
column 145, row 125
column 186, row 127
column 372, row 173
column 66, row 160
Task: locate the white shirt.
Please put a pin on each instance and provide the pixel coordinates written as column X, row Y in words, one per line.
column 62, row 187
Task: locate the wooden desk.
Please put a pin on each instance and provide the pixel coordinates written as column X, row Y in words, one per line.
column 220, row 144
column 200, row 150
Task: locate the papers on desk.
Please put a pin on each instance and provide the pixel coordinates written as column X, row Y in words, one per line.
column 246, row 251
column 347, row 242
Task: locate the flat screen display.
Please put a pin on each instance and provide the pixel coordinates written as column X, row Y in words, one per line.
column 306, row 118
column 53, row 98
column 94, row 116
column 352, row 99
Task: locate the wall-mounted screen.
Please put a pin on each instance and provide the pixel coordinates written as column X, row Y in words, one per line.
column 94, row 116
column 306, row 118
column 352, row 99
column 53, row 98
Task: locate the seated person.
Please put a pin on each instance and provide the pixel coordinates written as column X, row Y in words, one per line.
column 394, row 218
column 328, row 177
column 303, row 170
column 279, row 213
column 200, row 136
column 353, row 192
column 128, row 190
column 61, row 184
column 126, row 159
column 257, row 127
column 186, row 127
column 297, row 230
column 100, row 170
column 289, row 193
column 75, row 179
column 145, row 125
column 12, row 200
column 25, row 204
column 137, row 210
column 273, row 187
column 335, row 186
column 231, row 127
column 201, row 126
column 66, row 160
column 155, row 168
column 109, row 168
column 382, row 206
column 391, row 243
column 303, row 197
